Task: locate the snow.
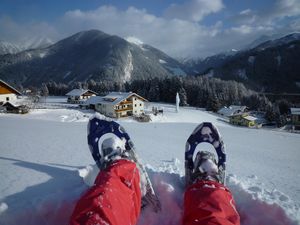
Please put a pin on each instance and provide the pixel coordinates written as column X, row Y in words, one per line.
column 77, row 92
column 6, row 47
column 162, row 61
column 128, row 68
column 231, row 110
column 251, row 59
column 45, row 165
column 134, row 40
column 295, row 111
column 43, row 54
column 250, row 118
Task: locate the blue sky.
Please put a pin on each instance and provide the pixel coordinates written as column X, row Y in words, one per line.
column 182, row 28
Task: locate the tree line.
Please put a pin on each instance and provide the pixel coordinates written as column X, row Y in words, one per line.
column 203, row 92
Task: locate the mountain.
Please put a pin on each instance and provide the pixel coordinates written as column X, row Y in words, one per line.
column 272, row 66
column 8, row 48
column 279, row 42
column 39, row 42
column 198, row 66
column 87, row 55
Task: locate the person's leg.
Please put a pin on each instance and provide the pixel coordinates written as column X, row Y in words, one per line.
column 114, row 199
column 209, row 203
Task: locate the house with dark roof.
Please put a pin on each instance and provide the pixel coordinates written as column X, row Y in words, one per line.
column 8, row 93
column 79, row 96
column 118, row 104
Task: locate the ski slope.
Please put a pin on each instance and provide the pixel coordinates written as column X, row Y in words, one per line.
column 45, row 165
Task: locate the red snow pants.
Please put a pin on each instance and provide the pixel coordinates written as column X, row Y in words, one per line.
column 115, row 199
column 209, row 203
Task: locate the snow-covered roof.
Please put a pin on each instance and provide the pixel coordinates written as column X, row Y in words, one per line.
column 14, row 104
column 113, row 98
column 250, row 118
column 93, row 100
column 233, row 109
column 10, row 87
column 79, row 92
column 295, row 111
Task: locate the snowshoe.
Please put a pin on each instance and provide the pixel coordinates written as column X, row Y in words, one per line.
column 205, row 166
column 119, row 146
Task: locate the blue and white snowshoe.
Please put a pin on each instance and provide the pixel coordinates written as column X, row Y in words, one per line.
column 204, row 165
column 99, row 126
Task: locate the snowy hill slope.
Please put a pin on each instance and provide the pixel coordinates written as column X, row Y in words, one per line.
column 45, row 165
column 87, row 55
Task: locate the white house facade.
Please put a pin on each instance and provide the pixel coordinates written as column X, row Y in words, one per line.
column 119, row 104
column 7, row 93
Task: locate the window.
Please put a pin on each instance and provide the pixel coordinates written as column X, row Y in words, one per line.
column 134, row 105
column 141, row 104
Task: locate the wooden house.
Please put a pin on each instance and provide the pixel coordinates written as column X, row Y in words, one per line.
column 8, row 93
column 79, row 96
column 118, row 104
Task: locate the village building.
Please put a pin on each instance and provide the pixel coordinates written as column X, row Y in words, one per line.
column 243, row 119
column 18, row 108
column 232, row 110
column 8, row 93
column 78, row 96
column 118, row 104
column 295, row 118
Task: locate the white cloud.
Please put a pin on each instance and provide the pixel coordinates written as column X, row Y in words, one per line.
column 194, row 10
column 270, row 15
column 14, row 32
column 179, row 37
column 244, row 29
column 286, row 8
column 175, row 37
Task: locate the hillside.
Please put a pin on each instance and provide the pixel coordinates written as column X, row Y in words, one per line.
column 84, row 56
column 271, row 66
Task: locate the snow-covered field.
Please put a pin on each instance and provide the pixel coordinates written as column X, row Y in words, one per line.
column 45, row 165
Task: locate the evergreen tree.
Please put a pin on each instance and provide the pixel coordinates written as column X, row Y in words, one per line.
column 182, row 96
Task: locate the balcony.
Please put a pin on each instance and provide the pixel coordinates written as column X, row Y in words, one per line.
column 124, row 109
column 125, row 102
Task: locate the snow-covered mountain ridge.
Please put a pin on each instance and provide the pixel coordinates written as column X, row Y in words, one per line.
column 271, row 67
column 8, row 48
column 85, row 56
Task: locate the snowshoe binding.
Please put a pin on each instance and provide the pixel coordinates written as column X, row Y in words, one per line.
column 117, row 147
column 205, row 166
